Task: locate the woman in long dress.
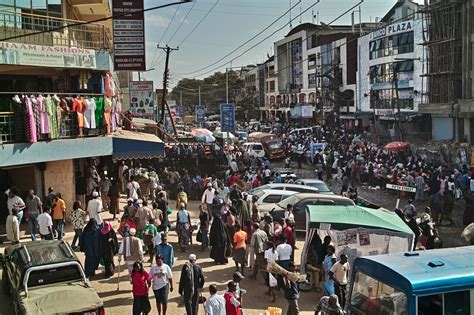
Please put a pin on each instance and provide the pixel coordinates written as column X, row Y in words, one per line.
column 109, row 246
column 220, row 241
column 89, row 243
column 328, row 262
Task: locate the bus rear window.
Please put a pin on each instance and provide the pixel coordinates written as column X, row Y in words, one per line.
column 373, row 297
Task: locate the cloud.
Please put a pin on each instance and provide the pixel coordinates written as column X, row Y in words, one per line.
column 156, row 20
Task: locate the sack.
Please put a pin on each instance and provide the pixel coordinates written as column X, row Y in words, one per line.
column 272, row 281
column 199, row 236
column 146, row 308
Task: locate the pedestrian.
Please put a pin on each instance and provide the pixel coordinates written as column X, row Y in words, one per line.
column 165, row 250
column 216, row 303
column 14, row 201
column 162, row 283
column 284, row 251
column 258, row 242
column 59, row 211
column 203, row 227
column 329, row 305
column 339, row 274
column 141, row 282
column 105, row 184
column 77, row 219
column 208, row 197
column 328, row 262
column 89, row 242
column 48, row 201
column 409, row 209
column 133, row 189
column 114, row 197
column 163, row 206
column 94, row 207
column 45, row 224
column 292, row 293
column 132, row 250
column 220, row 241
column 237, row 277
column 148, row 235
column 34, row 207
column 109, row 248
column 232, row 304
column 182, row 197
column 183, row 225
column 143, row 216
column 270, row 256
column 12, row 227
column 190, row 284
column 239, row 248
column 290, row 234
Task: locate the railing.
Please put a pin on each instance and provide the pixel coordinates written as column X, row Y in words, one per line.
column 89, row 36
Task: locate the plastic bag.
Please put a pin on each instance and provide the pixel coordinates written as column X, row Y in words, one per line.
column 272, row 280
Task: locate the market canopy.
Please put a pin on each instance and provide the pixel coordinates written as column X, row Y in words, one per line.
column 349, row 217
column 136, row 145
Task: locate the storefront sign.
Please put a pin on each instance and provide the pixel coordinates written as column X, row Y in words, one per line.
column 400, row 188
column 181, row 111
column 46, row 56
column 227, row 117
column 200, row 114
column 142, row 99
column 129, row 35
column 392, row 29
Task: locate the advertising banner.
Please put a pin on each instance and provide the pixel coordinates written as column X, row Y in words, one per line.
column 227, row 117
column 181, row 111
column 200, row 114
column 129, row 35
column 142, row 99
column 46, row 56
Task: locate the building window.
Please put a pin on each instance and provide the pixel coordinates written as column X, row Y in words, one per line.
column 312, row 80
column 272, row 86
column 312, row 61
column 392, row 45
column 383, row 73
column 314, row 40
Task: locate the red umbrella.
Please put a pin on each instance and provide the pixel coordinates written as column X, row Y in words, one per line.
column 396, row 145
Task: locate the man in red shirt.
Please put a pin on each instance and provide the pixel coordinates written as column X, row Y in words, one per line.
column 290, row 236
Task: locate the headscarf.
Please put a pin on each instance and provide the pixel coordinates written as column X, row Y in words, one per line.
column 91, row 225
column 106, row 228
column 219, row 236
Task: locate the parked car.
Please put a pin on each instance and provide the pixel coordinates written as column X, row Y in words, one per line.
column 286, row 174
column 254, row 149
column 284, row 186
column 46, row 277
column 272, row 195
column 316, row 183
column 299, row 202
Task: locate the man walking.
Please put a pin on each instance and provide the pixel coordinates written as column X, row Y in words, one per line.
column 34, row 208
column 208, row 197
column 59, row 210
column 191, row 282
column 292, row 293
column 165, row 250
column 338, row 273
column 162, row 283
column 215, row 305
column 45, row 224
column 94, row 208
column 105, row 184
column 132, row 250
column 258, row 243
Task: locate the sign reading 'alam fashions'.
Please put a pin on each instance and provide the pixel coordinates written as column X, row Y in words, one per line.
column 46, row 56
column 129, row 35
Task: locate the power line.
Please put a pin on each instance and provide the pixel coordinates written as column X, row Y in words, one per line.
column 199, row 23
column 182, row 21
column 246, row 42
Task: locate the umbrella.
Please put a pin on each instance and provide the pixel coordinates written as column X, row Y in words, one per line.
column 204, row 131
column 224, row 135
column 200, row 137
column 396, row 145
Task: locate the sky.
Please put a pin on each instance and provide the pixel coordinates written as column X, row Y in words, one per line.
column 228, row 24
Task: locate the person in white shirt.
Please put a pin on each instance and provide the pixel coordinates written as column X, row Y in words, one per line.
column 215, row 305
column 284, row 251
column 45, row 224
column 338, row 273
column 132, row 250
column 16, row 202
column 94, row 207
column 270, row 255
column 132, row 189
column 162, row 283
column 289, row 213
column 208, row 197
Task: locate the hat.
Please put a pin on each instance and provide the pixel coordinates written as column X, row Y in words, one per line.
column 237, row 274
column 192, row 257
column 130, row 200
column 159, row 256
column 133, row 231
column 209, row 185
column 95, row 194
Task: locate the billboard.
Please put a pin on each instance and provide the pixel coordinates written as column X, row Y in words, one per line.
column 200, row 114
column 129, row 35
column 142, row 99
column 227, row 117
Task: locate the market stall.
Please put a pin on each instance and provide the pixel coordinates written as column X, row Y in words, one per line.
column 356, row 231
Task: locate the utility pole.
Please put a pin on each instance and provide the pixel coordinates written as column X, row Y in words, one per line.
column 164, row 103
column 395, row 82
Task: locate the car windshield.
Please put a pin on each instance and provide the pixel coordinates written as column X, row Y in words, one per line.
column 275, row 145
column 257, row 189
column 54, row 275
column 257, row 147
column 322, row 187
column 291, row 200
column 259, row 193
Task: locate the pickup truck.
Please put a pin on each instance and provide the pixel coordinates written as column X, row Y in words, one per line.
column 46, row 277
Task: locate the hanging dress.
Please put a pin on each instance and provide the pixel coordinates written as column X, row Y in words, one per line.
column 107, row 86
column 19, row 121
column 36, row 114
column 29, row 120
column 79, row 106
column 59, row 120
column 107, row 110
column 89, row 114
column 50, row 108
column 44, row 117
column 99, row 111
column 114, row 113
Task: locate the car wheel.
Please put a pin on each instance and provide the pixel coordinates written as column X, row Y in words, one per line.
column 5, row 283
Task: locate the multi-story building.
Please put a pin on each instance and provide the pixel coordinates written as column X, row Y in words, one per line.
column 391, row 64
column 253, row 91
column 58, row 93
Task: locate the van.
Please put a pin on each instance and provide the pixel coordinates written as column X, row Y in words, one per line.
column 300, row 131
column 254, row 149
column 271, row 143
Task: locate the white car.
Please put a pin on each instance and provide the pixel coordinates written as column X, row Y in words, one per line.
column 284, row 186
column 254, row 149
column 316, row 183
column 272, row 195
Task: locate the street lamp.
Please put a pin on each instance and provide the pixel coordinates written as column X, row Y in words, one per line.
column 139, row 72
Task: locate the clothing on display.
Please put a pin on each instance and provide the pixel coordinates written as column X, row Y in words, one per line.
column 36, row 114
column 107, row 112
column 53, row 118
column 44, row 117
column 29, row 120
column 89, row 114
column 99, row 112
column 79, row 106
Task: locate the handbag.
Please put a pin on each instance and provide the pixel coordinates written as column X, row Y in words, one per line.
column 146, row 307
column 199, row 236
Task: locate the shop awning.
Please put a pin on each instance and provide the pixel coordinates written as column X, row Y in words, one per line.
column 137, row 145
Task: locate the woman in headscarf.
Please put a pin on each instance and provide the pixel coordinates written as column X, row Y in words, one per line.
column 109, row 246
column 242, row 210
column 89, row 243
column 220, row 241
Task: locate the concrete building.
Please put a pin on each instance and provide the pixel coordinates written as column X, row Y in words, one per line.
column 252, row 97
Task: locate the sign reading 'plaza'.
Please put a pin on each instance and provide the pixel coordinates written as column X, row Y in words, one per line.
column 392, row 29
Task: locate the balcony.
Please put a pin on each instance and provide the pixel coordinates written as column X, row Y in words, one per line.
column 88, row 36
